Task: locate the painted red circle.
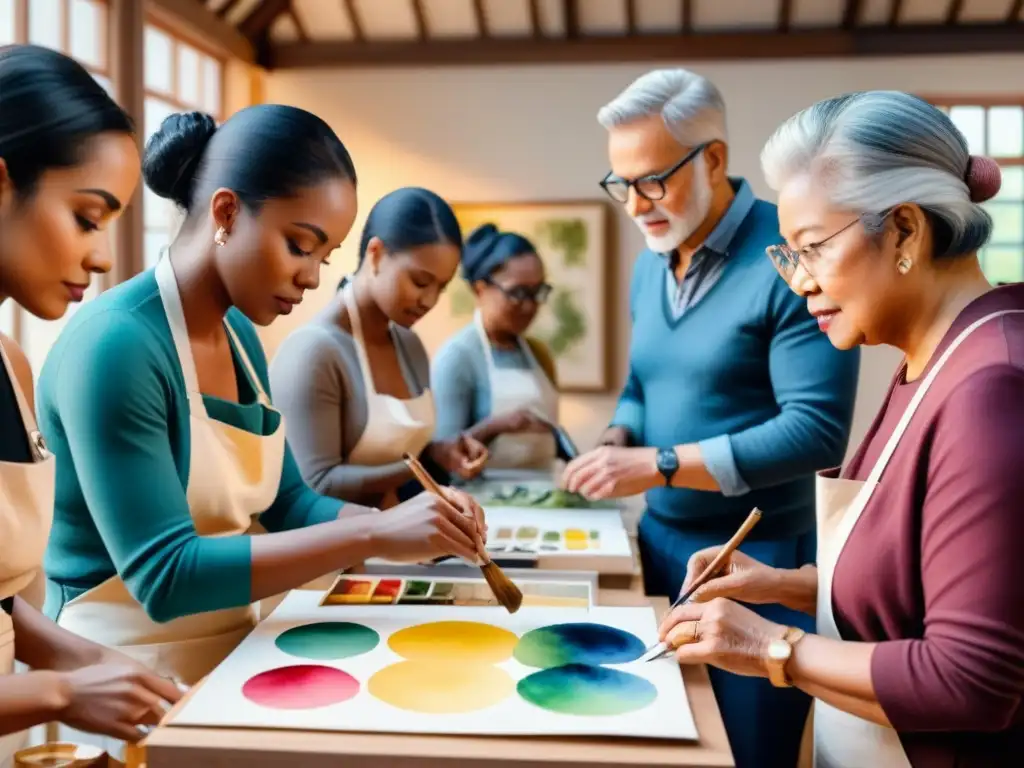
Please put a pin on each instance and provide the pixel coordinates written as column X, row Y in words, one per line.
column 301, row 686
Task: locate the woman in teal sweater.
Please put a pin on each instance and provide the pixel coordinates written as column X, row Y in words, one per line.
column 155, row 401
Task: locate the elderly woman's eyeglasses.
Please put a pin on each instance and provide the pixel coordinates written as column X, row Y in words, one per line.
column 523, row 293
column 786, row 259
column 648, row 187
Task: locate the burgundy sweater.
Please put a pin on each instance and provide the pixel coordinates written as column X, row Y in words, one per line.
column 934, row 569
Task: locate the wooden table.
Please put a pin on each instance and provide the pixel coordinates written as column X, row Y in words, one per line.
column 174, row 747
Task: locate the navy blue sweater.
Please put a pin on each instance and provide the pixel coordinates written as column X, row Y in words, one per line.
column 745, row 373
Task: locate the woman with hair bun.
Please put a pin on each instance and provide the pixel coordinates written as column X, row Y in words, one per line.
column 490, row 379
column 918, row 658
column 354, row 383
column 156, row 402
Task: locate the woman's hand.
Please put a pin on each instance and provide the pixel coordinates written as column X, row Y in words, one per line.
column 721, row 633
column 427, row 527
column 114, row 699
column 751, row 581
column 463, row 455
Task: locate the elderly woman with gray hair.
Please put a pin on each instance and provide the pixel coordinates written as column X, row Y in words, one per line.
column 918, row 591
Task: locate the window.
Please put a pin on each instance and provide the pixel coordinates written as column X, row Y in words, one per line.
column 77, row 28
column 179, row 78
column 995, row 127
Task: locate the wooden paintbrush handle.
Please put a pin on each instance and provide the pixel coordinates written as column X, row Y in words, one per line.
column 724, row 554
column 431, row 485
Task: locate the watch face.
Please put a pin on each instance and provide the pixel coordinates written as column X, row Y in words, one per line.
column 779, row 650
column 667, row 461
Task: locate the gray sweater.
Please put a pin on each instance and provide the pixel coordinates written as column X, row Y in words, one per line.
column 318, row 387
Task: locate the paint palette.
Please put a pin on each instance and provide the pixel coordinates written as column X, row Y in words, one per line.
column 398, row 590
column 479, row 670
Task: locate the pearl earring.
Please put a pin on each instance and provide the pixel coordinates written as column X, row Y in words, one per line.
column 221, row 237
column 903, row 265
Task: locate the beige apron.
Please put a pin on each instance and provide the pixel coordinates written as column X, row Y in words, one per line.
column 234, row 476
column 512, row 390
column 842, row 740
column 26, row 513
column 393, row 426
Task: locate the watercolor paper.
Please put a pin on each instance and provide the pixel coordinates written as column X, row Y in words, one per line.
column 471, row 671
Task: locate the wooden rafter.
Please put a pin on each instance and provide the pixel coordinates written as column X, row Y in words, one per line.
column 796, row 44
column 480, row 14
column 194, row 19
column 225, row 9
column 353, row 19
column 299, row 26
column 1013, row 15
column 895, row 11
column 953, row 11
column 257, row 24
column 686, row 12
column 851, row 13
column 785, row 14
column 570, row 10
column 421, row 19
column 535, row 18
column 630, row 17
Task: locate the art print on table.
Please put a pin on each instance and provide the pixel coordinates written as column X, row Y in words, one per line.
column 479, row 671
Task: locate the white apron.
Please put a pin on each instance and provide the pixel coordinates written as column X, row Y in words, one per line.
column 393, row 426
column 233, row 476
column 26, row 513
column 842, row 740
column 512, row 390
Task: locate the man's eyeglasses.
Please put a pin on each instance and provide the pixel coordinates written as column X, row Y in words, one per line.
column 523, row 293
column 648, row 187
column 786, row 259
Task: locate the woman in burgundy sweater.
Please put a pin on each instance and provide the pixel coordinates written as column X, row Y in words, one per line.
column 918, row 659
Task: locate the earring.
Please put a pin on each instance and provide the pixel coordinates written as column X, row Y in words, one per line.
column 221, row 237
column 903, row 265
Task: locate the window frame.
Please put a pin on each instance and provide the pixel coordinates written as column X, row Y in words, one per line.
column 987, row 102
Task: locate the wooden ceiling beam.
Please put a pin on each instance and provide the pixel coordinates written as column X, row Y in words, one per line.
column 686, row 14
column 851, row 13
column 571, row 12
column 956, row 7
column 354, row 21
column 1013, row 15
column 895, row 11
column 785, row 15
column 480, row 14
column 535, row 28
column 421, row 19
column 299, row 26
column 630, row 17
column 257, row 24
column 192, row 19
column 225, row 9
column 826, row 43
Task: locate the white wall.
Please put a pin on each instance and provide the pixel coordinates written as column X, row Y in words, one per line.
column 529, row 133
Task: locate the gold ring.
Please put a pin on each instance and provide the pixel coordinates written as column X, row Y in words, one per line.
column 678, row 638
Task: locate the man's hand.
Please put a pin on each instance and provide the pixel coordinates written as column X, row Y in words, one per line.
column 612, row 472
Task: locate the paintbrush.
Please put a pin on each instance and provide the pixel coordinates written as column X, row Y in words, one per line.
column 660, row 649
column 507, row 593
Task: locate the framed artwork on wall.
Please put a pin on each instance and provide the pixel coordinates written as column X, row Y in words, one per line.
column 574, row 240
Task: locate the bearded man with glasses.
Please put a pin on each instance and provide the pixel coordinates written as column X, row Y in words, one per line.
column 734, row 398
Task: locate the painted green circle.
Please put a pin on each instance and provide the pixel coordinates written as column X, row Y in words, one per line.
column 328, row 640
column 588, row 691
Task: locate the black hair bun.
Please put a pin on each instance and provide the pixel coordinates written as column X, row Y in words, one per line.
column 482, row 235
column 173, row 153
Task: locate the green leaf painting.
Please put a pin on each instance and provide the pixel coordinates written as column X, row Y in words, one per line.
column 570, row 323
column 566, row 235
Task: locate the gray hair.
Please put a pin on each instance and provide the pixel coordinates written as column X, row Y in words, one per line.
column 878, row 149
column 691, row 106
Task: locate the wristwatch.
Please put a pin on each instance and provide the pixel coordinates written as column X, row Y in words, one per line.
column 779, row 652
column 667, row 463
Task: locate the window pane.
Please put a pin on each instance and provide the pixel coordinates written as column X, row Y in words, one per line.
column 6, row 22
column 1006, row 132
column 7, row 310
column 1004, row 265
column 1013, row 183
column 107, row 85
column 154, row 245
column 188, row 75
column 44, row 22
column 156, row 111
column 211, row 86
column 158, row 60
column 87, row 32
column 156, row 211
column 971, row 122
column 1008, row 219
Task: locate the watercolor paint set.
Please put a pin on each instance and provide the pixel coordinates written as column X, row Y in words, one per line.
column 350, row 589
column 530, row 538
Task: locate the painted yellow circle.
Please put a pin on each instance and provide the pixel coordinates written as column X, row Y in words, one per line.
column 464, row 642
column 440, row 689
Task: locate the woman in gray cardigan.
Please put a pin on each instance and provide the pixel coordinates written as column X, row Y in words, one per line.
column 354, row 383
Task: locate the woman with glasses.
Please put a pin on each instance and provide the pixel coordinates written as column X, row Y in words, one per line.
column 918, row 658
column 354, row 383
column 490, row 379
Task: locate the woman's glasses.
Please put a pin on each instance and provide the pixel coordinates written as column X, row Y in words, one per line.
column 786, row 259
column 523, row 293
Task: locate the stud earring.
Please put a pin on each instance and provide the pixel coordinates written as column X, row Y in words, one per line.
column 221, row 237
column 903, row 265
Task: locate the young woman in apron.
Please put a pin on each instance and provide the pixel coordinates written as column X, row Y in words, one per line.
column 490, row 379
column 168, row 447
column 50, row 246
column 920, row 627
column 353, row 384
